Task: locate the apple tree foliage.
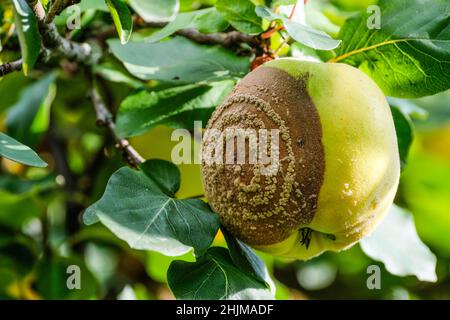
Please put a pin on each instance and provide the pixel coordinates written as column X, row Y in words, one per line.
column 149, row 64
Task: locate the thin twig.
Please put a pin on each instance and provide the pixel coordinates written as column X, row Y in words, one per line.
column 226, row 39
column 10, row 67
column 106, row 119
column 51, row 39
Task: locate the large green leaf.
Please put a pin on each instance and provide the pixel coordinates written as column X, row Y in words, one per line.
column 205, row 20
column 28, row 119
column 396, row 243
column 122, row 19
column 179, row 60
column 29, row 38
column 410, row 55
column 155, row 10
column 136, row 210
column 241, row 15
column 214, row 276
column 177, row 107
column 14, row 150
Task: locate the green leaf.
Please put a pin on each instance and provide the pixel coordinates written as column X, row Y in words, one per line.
column 405, row 133
column 179, row 60
column 29, row 38
column 85, row 6
column 265, row 13
column 155, row 10
column 215, row 277
column 110, row 73
column 310, row 37
column 176, row 107
column 245, row 259
column 210, row 21
column 164, row 174
column 205, row 20
column 122, row 19
column 28, row 119
column 410, row 55
column 396, row 243
column 15, row 151
column 241, row 15
column 304, row 34
column 135, row 209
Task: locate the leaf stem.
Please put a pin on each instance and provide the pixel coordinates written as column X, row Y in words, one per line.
column 357, row 51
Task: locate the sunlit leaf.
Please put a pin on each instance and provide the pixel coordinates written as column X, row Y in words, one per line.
column 14, row 150
column 396, row 243
column 302, row 33
column 155, row 10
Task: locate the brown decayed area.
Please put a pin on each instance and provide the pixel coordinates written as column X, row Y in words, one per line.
column 258, row 209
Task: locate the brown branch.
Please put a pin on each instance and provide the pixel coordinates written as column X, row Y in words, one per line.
column 228, row 39
column 10, row 67
column 51, row 39
column 106, row 119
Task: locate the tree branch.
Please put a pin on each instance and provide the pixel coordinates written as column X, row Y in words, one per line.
column 80, row 52
column 105, row 118
column 10, row 67
column 228, row 39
